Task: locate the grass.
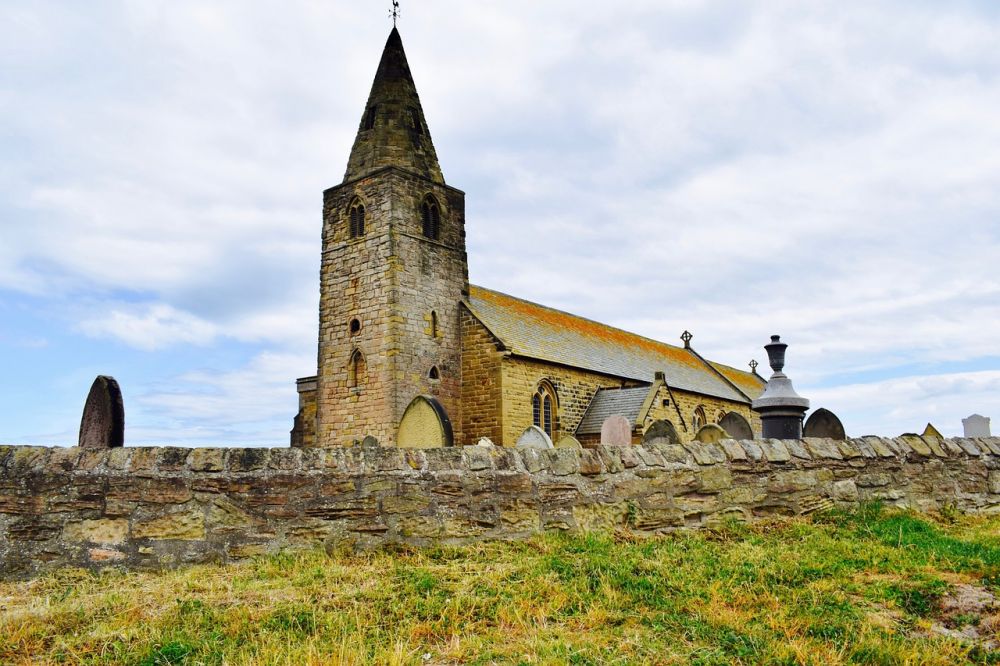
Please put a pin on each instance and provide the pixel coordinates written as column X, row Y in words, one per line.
column 842, row 588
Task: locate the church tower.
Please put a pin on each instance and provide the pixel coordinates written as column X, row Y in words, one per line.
column 393, row 272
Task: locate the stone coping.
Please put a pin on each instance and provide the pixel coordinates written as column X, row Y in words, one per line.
column 21, row 460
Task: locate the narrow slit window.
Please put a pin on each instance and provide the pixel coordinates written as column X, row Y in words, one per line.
column 358, row 370
column 370, row 117
column 415, row 123
column 536, row 409
column 357, row 216
column 434, row 324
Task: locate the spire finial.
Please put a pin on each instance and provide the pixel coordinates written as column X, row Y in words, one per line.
column 395, row 12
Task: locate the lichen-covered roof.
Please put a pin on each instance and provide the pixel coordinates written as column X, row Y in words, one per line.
column 611, row 402
column 535, row 331
column 747, row 382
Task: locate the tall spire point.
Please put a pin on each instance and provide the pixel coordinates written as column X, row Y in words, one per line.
column 393, row 131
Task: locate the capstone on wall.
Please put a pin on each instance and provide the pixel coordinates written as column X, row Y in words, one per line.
column 157, row 507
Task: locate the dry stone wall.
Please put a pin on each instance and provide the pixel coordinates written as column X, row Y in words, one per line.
column 161, row 507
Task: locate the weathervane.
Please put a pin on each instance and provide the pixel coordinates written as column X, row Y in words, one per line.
column 395, row 12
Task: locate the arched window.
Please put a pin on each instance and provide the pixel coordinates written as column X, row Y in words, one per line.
column 434, row 374
column 699, row 418
column 430, row 216
column 543, row 409
column 434, row 324
column 355, row 326
column 357, row 219
column 357, row 371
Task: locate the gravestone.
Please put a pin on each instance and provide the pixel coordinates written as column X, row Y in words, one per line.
column 976, row 426
column 616, row 431
column 369, row 442
column 736, row 426
column 568, row 442
column 425, row 425
column 661, row 432
column 824, row 423
column 710, row 433
column 103, row 423
column 485, row 441
column 534, row 438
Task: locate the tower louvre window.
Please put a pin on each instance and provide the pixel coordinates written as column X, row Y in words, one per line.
column 430, row 216
column 357, row 219
column 370, row 117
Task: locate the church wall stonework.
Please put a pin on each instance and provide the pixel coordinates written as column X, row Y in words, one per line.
column 391, row 279
column 148, row 508
column 481, row 382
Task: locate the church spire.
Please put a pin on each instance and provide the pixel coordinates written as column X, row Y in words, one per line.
column 393, row 130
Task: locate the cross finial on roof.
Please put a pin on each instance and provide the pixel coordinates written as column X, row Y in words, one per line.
column 686, row 337
column 395, row 12
column 753, row 366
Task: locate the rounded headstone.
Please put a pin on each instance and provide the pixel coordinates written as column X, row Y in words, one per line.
column 661, row 432
column 824, row 423
column 710, row 433
column 568, row 442
column 425, row 425
column 534, row 438
column 103, row 423
column 369, row 442
column 485, row 441
column 616, row 431
column 736, row 426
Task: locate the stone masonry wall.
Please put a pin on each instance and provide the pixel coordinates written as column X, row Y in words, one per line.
column 160, row 507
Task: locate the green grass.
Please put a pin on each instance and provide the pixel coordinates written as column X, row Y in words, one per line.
column 842, row 588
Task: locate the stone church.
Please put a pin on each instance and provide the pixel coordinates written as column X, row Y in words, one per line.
column 413, row 355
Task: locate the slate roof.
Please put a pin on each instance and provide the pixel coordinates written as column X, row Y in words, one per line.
column 747, row 382
column 535, row 331
column 610, row 402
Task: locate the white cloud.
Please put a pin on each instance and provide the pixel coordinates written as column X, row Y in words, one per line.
column 817, row 170
column 151, row 327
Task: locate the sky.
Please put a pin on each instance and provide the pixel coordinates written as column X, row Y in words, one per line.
column 826, row 171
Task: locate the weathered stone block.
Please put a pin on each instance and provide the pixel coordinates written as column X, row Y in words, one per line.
column 103, row 531
column 994, row 482
column 754, row 452
column 792, row 481
column 823, row 448
column 600, row 516
column 246, row 460
column 187, row 526
column 172, row 459
column 845, row 491
column 774, row 450
column 590, row 463
column 206, row 460
column 714, row 479
column 734, row 452
column 563, row 462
